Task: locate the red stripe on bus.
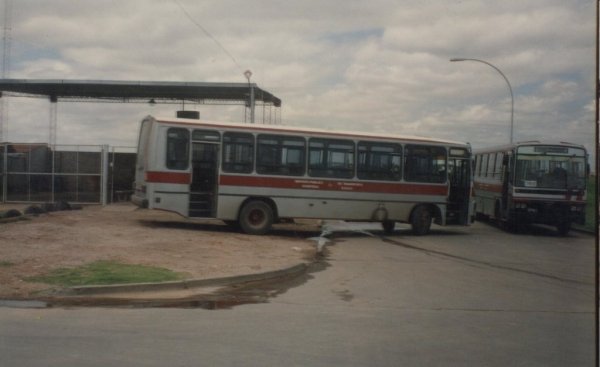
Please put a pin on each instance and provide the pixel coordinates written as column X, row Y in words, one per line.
column 487, row 187
column 321, row 184
column 168, row 177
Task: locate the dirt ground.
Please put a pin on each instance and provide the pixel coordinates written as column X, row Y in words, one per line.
column 123, row 233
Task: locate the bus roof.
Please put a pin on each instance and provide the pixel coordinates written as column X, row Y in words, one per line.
column 506, row 147
column 303, row 130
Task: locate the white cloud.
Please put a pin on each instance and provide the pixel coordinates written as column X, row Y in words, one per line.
column 378, row 65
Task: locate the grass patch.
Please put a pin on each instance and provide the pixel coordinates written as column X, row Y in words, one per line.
column 5, row 264
column 106, row 272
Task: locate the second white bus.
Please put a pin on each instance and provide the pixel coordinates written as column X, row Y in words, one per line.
column 532, row 182
column 256, row 175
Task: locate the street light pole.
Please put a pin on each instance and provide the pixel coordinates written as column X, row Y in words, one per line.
column 512, row 98
column 248, row 74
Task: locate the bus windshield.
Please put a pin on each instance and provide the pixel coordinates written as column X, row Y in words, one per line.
column 550, row 167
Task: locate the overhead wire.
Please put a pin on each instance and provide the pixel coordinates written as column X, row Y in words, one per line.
column 207, row 33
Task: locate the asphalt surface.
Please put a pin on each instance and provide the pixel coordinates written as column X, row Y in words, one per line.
column 459, row 297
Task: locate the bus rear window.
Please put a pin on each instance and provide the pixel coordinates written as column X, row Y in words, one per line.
column 178, row 148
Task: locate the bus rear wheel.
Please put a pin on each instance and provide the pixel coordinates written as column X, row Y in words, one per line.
column 256, row 217
column 563, row 228
column 421, row 220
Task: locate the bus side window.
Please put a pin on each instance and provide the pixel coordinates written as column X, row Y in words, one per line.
column 484, row 165
column 178, row 148
column 379, row 161
column 425, row 164
column 498, row 169
column 477, row 165
column 280, row 155
column 491, row 165
column 238, row 152
column 331, row 158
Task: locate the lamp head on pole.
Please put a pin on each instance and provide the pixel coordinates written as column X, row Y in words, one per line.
column 457, row 59
column 248, row 74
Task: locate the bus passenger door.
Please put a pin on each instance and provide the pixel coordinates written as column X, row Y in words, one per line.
column 507, row 175
column 459, row 178
column 203, row 188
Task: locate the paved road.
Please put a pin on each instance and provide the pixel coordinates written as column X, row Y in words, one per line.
column 458, row 297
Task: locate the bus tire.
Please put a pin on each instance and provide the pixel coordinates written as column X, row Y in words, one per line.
column 516, row 224
column 563, row 228
column 421, row 220
column 256, row 217
column 498, row 212
column 388, row 226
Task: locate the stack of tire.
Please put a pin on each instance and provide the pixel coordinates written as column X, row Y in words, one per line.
column 35, row 210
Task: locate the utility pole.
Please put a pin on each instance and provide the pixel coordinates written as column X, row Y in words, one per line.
column 6, row 47
column 597, row 121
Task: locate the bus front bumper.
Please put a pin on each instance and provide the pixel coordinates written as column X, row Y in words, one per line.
column 549, row 214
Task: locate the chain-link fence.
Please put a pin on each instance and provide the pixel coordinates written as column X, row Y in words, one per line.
column 87, row 174
column 121, row 173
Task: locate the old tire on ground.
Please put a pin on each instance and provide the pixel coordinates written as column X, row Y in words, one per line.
column 34, row 210
column 62, row 205
column 421, row 220
column 256, row 217
column 11, row 213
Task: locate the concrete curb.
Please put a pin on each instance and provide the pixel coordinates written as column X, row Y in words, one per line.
column 184, row 284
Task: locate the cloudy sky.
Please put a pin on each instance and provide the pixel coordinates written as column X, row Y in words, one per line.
column 376, row 65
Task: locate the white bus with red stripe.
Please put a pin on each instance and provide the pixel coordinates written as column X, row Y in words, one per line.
column 256, row 175
column 532, row 182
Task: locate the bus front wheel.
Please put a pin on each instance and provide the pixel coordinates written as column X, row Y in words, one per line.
column 421, row 220
column 256, row 217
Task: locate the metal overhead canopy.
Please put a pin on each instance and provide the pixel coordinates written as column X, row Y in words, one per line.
column 129, row 91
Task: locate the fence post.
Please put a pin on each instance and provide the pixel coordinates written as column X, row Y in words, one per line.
column 112, row 175
column 4, row 170
column 104, row 175
column 52, row 173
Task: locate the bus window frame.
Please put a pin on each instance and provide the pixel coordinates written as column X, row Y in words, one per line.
column 210, row 136
column 235, row 165
column 282, row 148
column 389, row 173
column 408, row 170
column 326, row 168
column 176, row 158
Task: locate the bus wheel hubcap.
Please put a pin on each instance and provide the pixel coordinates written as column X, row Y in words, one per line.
column 256, row 217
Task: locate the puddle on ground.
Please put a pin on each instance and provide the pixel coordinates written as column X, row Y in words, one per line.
column 230, row 296
column 225, row 298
